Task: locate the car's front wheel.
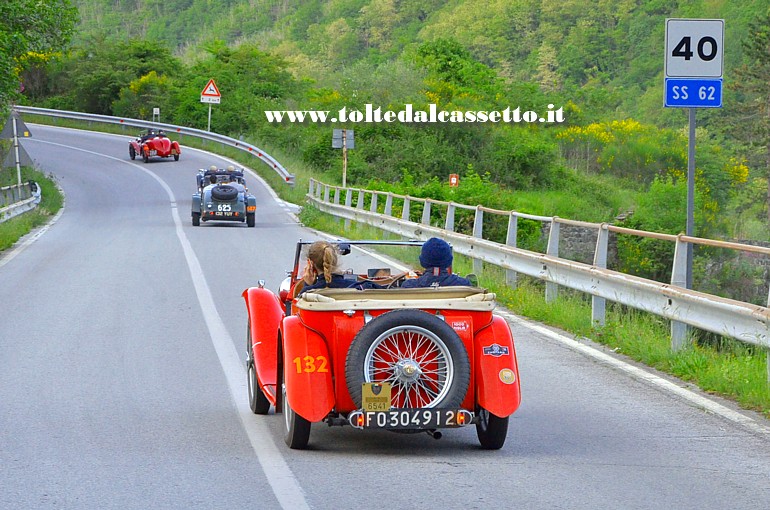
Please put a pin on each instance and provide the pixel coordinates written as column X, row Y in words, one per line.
column 131, row 152
column 296, row 428
column 146, row 156
column 176, row 157
column 491, row 430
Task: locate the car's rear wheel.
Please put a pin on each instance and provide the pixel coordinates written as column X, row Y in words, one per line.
column 296, row 428
column 417, row 353
column 176, row 157
column 131, row 152
column 196, row 219
column 257, row 400
column 491, row 430
column 251, row 219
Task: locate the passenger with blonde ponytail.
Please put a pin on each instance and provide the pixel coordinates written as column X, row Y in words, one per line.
column 322, row 269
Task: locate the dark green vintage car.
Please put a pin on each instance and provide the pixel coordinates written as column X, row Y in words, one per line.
column 223, row 196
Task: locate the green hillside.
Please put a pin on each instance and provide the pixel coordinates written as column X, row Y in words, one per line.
column 600, row 63
column 608, row 54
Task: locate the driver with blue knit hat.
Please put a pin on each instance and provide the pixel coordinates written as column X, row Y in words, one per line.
column 436, row 257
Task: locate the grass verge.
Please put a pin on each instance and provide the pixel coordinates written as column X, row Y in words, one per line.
column 52, row 200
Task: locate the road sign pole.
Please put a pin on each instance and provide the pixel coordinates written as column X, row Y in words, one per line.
column 690, row 229
column 16, row 149
column 344, row 158
column 208, row 128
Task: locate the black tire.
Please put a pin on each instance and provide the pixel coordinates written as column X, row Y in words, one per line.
column 224, row 192
column 145, row 156
column 390, row 337
column 196, row 219
column 491, row 430
column 296, row 428
column 176, row 157
column 131, row 152
column 251, row 219
column 257, row 400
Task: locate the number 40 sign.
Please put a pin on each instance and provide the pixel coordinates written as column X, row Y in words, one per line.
column 694, row 59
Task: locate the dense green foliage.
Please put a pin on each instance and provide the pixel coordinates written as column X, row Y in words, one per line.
column 599, row 63
column 30, row 31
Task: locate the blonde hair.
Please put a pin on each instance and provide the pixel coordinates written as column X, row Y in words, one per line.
column 323, row 255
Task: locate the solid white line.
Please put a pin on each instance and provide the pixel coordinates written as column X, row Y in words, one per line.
column 282, row 481
column 643, row 375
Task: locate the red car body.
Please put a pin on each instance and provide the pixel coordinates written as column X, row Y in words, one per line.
column 441, row 355
column 147, row 147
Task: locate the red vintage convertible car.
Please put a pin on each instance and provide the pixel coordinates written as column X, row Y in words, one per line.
column 153, row 144
column 406, row 360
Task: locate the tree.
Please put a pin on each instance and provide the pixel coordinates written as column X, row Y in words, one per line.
column 753, row 80
column 30, row 26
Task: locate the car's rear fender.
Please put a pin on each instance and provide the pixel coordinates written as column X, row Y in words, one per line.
column 196, row 203
column 307, row 371
column 497, row 371
column 265, row 314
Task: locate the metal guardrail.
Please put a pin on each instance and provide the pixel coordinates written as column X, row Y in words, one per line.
column 743, row 321
column 16, row 199
column 181, row 130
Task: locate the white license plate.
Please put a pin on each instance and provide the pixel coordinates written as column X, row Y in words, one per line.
column 417, row 419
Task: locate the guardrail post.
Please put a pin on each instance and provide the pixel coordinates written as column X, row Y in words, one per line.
column 389, row 205
column 360, row 203
column 310, row 183
column 552, row 289
column 373, row 206
column 450, row 217
column 478, row 229
column 336, row 195
column 348, row 203
column 326, row 193
column 598, row 304
column 679, row 279
column 405, row 212
column 511, row 240
column 426, row 212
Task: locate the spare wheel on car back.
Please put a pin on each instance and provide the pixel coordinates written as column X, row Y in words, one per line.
column 224, row 192
column 417, row 353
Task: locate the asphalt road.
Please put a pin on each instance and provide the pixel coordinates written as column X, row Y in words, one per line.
column 122, row 382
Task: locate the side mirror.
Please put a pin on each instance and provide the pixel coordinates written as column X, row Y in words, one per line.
column 344, row 248
column 283, row 290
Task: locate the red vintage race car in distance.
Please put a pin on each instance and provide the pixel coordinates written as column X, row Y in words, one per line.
column 153, row 143
column 385, row 357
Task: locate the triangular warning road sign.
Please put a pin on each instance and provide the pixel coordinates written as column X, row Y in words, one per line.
column 22, row 131
column 211, row 90
column 24, row 159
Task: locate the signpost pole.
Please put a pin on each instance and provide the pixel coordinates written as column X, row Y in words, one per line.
column 690, row 228
column 208, row 128
column 344, row 158
column 16, row 149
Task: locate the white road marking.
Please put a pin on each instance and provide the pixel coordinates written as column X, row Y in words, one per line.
column 283, row 482
column 643, row 375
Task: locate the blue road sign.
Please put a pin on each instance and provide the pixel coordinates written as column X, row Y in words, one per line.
column 693, row 93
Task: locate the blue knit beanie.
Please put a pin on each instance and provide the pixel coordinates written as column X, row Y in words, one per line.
column 436, row 253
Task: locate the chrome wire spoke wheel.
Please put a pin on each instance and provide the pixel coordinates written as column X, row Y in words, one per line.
column 415, row 361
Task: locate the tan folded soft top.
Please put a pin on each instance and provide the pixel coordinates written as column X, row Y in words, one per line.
column 442, row 298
